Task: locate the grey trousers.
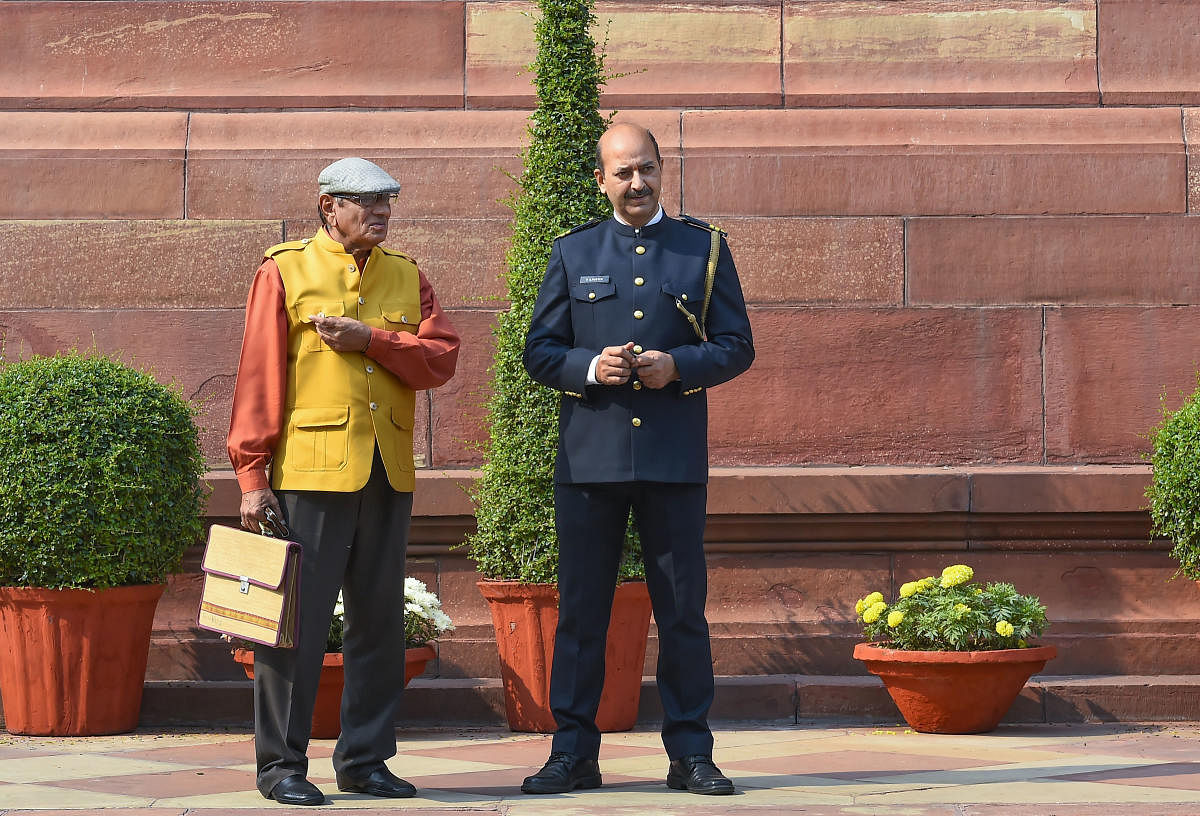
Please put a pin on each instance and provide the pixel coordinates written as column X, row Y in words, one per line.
column 355, row 542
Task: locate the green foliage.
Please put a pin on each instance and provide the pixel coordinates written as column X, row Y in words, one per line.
column 514, row 500
column 100, row 472
column 1174, row 490
column 945, row 615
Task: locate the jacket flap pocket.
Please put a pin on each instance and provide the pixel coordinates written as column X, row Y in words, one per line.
column 399, row 311
column 402, row 419
column 591, row 292
column 679, row 291
column 321, row 417
column 305, row 309
column 243, row 556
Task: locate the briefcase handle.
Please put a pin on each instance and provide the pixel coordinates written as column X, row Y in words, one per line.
column 274, row 526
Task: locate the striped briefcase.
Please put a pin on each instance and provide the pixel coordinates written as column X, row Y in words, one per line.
column 251, row 586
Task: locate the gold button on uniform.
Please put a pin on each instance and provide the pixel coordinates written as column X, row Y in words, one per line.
column 683, row 296
column 637, row 385
column 637, row 423
column 591, row 295
column 637, row 314
column 637, row 349
column 374, row 406
column 640, row 250
column 639, row 281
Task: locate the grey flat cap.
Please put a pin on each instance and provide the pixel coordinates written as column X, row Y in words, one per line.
column 356, row 176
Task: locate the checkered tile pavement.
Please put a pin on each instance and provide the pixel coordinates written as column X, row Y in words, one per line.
column 1097, row 770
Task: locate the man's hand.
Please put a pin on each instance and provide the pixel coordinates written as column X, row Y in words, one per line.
column 254, row 507
column 656, row 368
column 615, row 364
column 342, row 333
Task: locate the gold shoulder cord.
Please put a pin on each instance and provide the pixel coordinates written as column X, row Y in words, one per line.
column 710, row 275
column 700, row 326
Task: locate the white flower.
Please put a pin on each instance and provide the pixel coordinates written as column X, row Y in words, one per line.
column 420, row 603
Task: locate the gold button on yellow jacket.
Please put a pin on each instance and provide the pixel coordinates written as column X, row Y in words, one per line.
column 337, row 404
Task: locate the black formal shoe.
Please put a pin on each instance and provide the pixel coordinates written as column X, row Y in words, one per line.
column 563, row 773
column 379, row 782
column 296, row 790
column 698, row 774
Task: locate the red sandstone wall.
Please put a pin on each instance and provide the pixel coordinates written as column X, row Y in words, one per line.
column 967, row 230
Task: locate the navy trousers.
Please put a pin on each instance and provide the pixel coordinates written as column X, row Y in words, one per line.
column 355, row 542
column 590, row 520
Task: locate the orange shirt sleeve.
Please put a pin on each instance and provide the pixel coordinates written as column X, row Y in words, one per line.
column 256, row 422
column 423, row 360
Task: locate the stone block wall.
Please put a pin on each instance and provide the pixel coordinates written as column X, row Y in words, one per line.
column 967, row 231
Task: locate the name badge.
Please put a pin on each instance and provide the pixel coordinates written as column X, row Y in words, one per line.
column 594, row 279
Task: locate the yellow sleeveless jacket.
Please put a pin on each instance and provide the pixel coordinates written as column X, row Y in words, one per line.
column 338, row 405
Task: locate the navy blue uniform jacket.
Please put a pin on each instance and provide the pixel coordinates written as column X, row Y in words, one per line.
column 601, row 290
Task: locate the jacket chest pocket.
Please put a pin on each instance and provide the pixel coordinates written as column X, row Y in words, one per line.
column 320, row 438
column 401, row 315
column 304, row 311
column 592, row 292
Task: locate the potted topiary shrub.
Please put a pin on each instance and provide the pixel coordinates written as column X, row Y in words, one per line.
column 954, row 655
column 1174, row 490
column 424, row 620
column 100, row 466
column 515, row 547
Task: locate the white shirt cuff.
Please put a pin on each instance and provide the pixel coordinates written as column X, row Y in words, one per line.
column 591, row 377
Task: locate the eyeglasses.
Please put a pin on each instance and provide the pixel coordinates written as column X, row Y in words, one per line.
column 368, row 200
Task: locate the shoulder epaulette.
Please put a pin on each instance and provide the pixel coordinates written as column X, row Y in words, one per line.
column 704, row 225
column 396, row 254
column 287, row 246
column 580, row 228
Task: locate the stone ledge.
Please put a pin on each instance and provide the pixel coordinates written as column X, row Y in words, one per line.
column 837, row 490
column 792, row 698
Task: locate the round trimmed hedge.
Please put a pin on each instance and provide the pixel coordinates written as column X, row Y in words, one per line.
column 100, row 472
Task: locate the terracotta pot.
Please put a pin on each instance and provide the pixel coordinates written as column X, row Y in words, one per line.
column 525, row 617
column 953, row 692
column 327, row 713
column 72, row 661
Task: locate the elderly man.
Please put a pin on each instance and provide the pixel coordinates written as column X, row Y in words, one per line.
column 638, row 314
column 340, row 334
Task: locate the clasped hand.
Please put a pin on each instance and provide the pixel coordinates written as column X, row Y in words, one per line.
column 618, row 363
column 342, row 333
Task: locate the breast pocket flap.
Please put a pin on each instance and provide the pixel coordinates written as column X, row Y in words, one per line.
column 592, row 292
column 306, row 309
column 404, row 313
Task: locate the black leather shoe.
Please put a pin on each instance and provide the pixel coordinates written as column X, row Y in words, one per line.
column 296, row 790
column 379, row 782
column 698, row 774
column 563, row 773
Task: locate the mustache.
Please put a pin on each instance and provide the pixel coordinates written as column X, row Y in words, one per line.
column 635, row 194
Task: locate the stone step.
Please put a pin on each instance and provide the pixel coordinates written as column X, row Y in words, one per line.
column 780, row 697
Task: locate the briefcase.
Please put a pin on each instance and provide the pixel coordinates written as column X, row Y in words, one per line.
column 251, row 586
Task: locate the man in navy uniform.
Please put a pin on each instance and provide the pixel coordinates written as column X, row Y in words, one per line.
column 638, row 314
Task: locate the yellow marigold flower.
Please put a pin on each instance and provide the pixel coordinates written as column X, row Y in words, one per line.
column 894, row 618
column 873, row 598
column 873, row 612
column 961, row 609
column 1022, row 644
column 910, row 589
column 1004, row 628
column 858, row 606
column 957, row 574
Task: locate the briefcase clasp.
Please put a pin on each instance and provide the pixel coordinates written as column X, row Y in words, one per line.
column 243, row 585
